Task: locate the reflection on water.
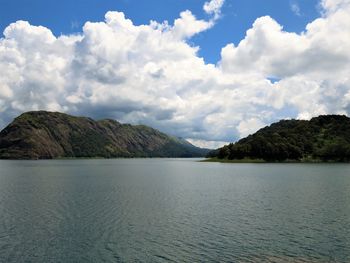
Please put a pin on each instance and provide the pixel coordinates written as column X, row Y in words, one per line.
column 160, row 210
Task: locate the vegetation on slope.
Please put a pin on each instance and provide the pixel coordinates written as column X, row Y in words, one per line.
column 324, row 138
column 46, row 135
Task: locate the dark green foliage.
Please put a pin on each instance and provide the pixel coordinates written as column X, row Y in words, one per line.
column 325, row 138
column 44, row 135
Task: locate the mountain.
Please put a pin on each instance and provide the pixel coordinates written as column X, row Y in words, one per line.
column 47, row 135
column 324, row 138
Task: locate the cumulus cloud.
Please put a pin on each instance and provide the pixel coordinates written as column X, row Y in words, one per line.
column 187, row 26
column 150, row 74
column 249, row 126
column 312, row 68
column 213, row 7
column 334, row 5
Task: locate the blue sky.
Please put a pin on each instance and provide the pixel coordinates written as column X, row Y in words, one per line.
column 264, row 60
column 67, row 16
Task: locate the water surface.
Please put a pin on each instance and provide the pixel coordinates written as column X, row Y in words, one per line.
column 181, row 210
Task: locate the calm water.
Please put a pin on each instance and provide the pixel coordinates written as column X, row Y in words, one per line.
column 160, row 210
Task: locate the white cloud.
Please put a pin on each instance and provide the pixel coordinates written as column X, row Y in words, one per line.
column 213, row 7
column 149, row 73
column 187, row 25
column 334, row 5
column 249, row 126
column 5, row 92
column 314, row 70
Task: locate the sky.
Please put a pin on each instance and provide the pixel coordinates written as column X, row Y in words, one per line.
column 68, row 17
column 209, row 71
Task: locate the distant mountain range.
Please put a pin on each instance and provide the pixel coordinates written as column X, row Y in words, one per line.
column 324, row 138
column 48, row 135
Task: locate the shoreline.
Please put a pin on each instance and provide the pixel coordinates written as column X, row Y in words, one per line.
column 247, row 160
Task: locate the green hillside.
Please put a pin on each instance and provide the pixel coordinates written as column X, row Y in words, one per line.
column 324, row 138
column 47, row 135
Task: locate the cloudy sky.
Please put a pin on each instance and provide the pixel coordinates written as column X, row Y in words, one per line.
column 211, row 72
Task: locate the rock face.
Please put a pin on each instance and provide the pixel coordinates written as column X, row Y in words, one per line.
column 323, row 138
column 48, row 135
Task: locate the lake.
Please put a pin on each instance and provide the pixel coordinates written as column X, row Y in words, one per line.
column 180, row 210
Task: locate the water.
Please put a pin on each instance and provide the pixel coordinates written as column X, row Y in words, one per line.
column 164, row 210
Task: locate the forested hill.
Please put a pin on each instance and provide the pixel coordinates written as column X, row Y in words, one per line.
column 324, row 138
column 46, row 135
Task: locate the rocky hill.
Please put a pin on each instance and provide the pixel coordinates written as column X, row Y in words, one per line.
column 47, row 135
column 324, row 138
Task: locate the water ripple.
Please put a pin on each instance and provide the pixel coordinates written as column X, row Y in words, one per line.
column 163, row 210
